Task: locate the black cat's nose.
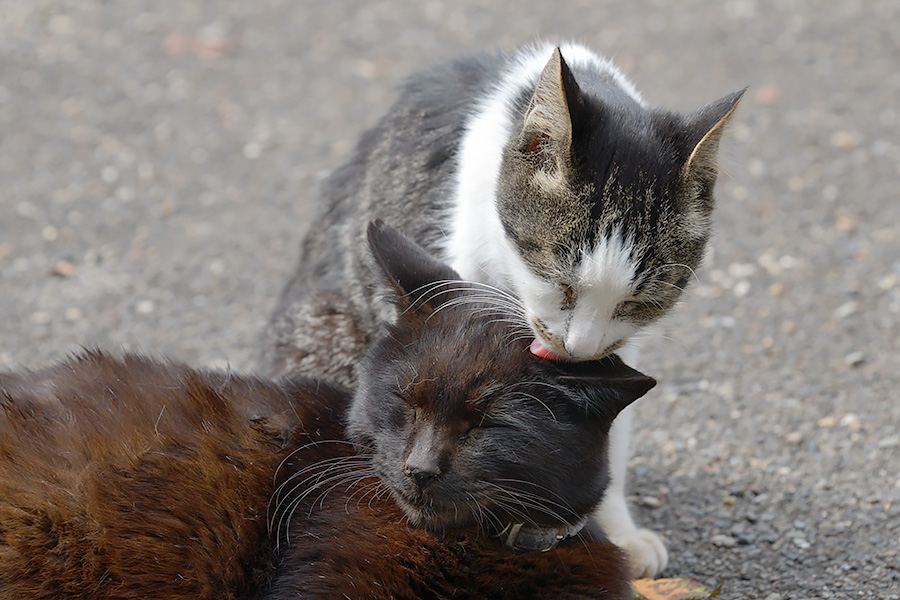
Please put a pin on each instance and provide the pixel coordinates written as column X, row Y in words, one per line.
column 422, row 463
column 421, row 474
column 421, row 478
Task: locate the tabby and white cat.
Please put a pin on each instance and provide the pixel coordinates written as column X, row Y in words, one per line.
column 542, row 173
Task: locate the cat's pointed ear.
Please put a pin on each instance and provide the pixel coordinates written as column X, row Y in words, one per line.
column 547, row 128
column 609, row 384
column 705, row 128
column 412, row 274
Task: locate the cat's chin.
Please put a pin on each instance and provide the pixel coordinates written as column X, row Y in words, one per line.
column 436, row 516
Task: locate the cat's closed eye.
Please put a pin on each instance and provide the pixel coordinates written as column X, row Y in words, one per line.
column 570, row 296
column 628, row 307
column 480, row 424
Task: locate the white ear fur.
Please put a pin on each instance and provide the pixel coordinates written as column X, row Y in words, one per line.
column 703, row 160
column 547, row 127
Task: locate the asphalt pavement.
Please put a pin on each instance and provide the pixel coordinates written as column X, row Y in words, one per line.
column 159, row 161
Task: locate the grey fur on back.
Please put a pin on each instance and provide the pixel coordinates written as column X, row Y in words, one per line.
column 400, row 172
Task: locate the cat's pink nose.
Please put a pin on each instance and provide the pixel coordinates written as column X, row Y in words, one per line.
column 582, row 344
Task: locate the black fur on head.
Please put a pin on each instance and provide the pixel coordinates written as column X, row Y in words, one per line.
column 463, row 422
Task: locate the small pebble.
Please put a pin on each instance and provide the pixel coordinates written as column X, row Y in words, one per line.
column 741, row 270
column 850, row 421
column 61, row 25
column 843, row 140
column 252, row 151
column 888, row 282
column 145, row 307
column 109, row 174
column 63, row 268
column 845, row 223
column 723, row 541
column 650, row 501
column 855, row 359
column 768, row 95
column 794, row 437
column 827, row 422
column 846, row 309
column 40, row 317
column 889, row 442
column 741, row 288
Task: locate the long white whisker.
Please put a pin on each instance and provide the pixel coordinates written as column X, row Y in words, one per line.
column 536, row 399
column 674, row 265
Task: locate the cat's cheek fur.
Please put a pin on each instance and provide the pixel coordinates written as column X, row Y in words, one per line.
column 589, row 328
column 590, row 335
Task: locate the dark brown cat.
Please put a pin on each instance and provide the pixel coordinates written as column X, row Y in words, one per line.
column 136, row 478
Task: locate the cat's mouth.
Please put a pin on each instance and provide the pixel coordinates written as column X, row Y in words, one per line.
column 541, row 351
column 432, row 514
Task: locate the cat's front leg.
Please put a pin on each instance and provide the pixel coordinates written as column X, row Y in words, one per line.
column 646, row 552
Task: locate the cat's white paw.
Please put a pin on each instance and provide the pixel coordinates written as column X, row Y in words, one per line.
column 647, row 555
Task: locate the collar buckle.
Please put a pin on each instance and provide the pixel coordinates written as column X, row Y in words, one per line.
column 518, row 536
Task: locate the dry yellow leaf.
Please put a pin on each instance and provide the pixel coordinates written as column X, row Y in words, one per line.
column 672, row 589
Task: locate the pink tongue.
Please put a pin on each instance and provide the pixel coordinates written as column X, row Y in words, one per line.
column 542, row 351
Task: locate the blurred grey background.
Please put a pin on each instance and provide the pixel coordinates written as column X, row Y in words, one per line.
column 159, row 161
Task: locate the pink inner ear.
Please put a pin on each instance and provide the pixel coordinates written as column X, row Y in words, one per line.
column 542, row 351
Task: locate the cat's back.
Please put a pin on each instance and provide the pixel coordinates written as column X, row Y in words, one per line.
column 401, row 168
column 98, row 406
column 123, row 475
column 402, row 171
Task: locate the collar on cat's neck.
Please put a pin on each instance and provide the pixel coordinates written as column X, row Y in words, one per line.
column 519, row 536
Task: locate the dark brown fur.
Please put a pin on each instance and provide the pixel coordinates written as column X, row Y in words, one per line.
column 357, row 550
column 134, row 478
